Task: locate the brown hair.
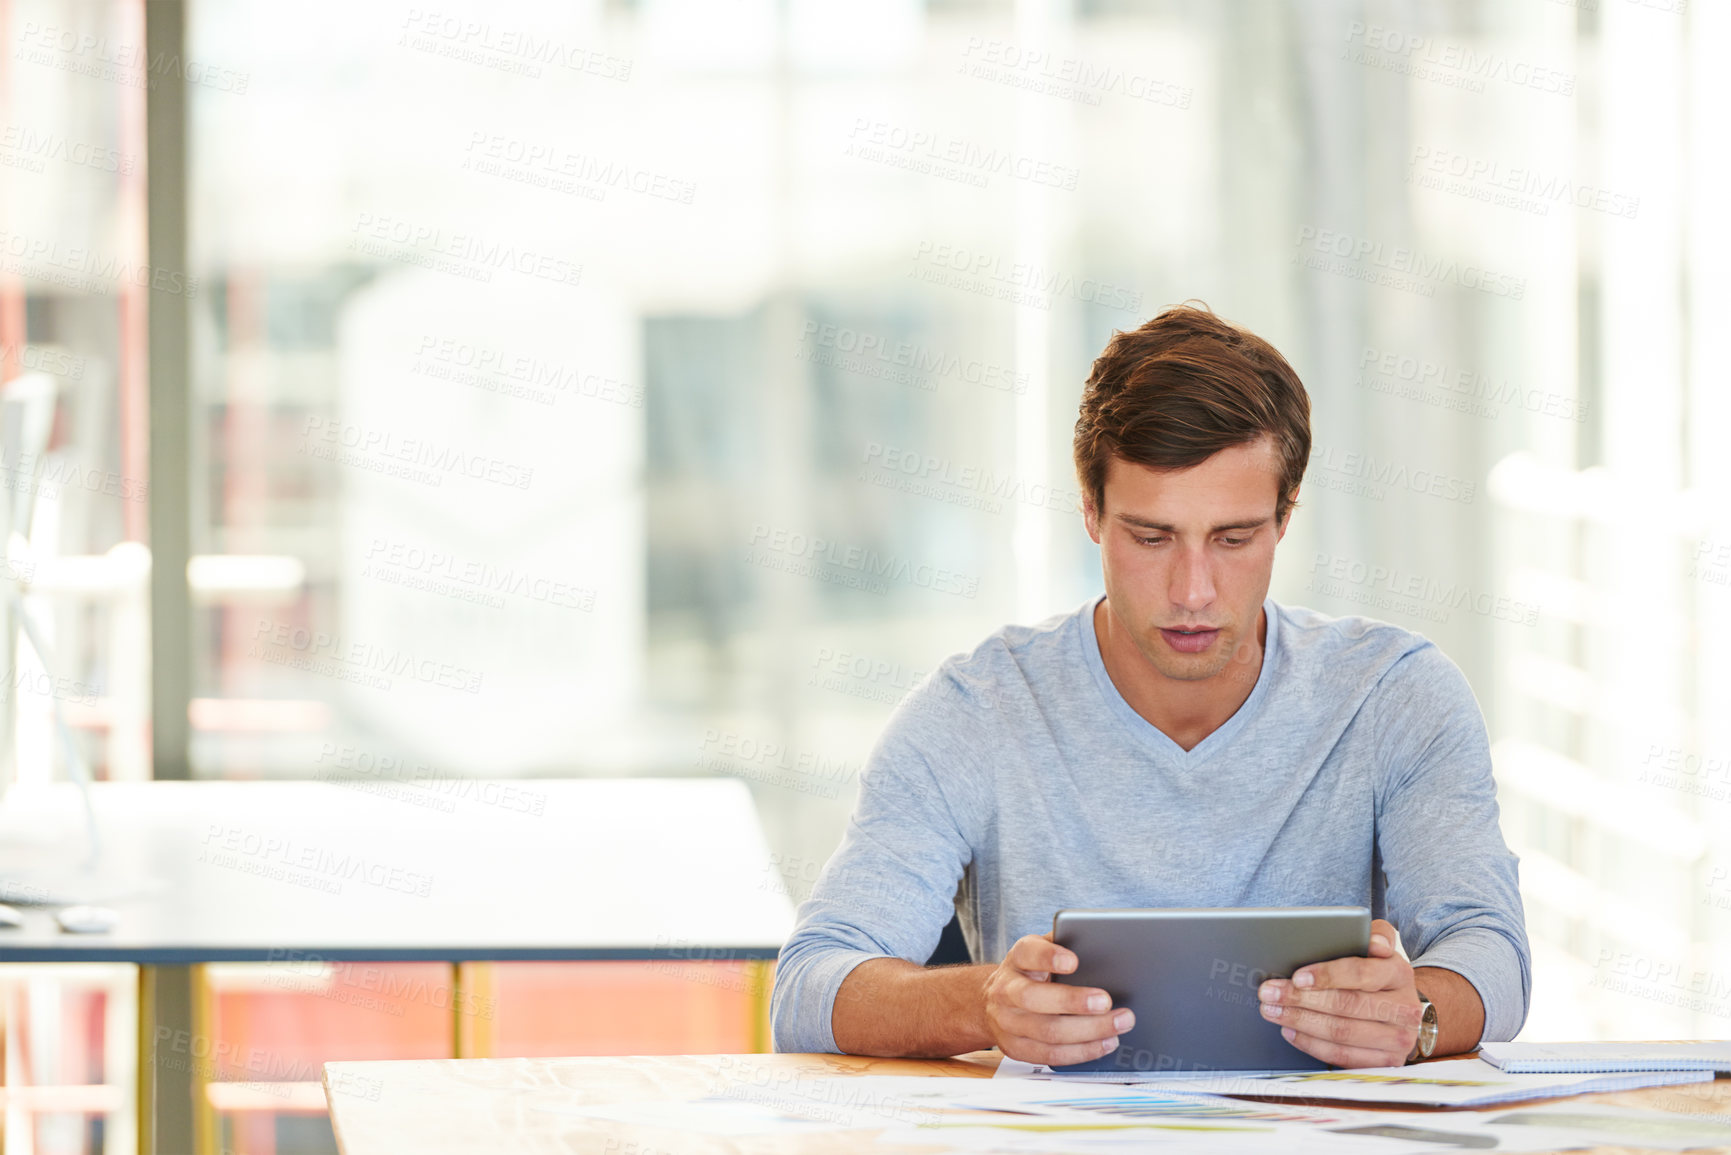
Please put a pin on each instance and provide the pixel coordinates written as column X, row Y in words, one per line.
column 1181, row 388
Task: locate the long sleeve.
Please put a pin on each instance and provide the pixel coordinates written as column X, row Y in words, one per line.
column 1453, row 888
column 890, row 887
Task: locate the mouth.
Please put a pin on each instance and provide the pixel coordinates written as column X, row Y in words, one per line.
column 1190, row 639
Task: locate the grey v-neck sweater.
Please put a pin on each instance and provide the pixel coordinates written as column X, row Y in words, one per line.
column 1017, row 781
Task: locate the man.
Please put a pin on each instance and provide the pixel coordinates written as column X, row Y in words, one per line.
column 1182, row 741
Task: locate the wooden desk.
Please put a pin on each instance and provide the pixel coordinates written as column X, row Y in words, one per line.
column 460, row 1106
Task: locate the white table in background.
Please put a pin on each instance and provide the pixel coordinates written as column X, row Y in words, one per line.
column 387, row 870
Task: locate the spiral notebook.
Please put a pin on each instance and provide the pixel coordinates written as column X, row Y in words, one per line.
column 1592, row 1058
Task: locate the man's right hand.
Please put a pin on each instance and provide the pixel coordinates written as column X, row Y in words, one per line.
column 1039, row 1021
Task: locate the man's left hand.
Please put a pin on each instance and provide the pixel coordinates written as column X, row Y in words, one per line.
column 1349, row 1012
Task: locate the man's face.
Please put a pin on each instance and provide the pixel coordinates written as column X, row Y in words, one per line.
column 1188, row 554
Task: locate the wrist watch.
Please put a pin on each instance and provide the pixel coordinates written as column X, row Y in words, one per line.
column 1427, row 1030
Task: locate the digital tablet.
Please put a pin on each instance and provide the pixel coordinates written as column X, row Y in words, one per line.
column 1192, row 975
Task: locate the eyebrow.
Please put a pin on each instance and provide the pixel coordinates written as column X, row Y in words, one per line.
column 1144, row 523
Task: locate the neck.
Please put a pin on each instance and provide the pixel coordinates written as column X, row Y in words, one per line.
column 1185, row 711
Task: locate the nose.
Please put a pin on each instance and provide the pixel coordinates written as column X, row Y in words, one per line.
column 1192, row 580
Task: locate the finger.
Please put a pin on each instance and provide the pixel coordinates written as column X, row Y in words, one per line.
column 1286, row 991
column 1339, row 1055
column 1397, row 1008
column 1379, row 1006
column 1364, row 1033
column 1057, row 998
column 1332, row 1002
column 1059, row 1029
column 1359, row 974
column 1382, row 938
column 1038, row 954
column 1034, row 1051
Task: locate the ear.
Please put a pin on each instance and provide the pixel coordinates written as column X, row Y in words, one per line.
column 1091, row 519
column 1287, row 520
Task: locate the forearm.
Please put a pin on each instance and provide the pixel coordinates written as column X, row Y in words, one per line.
column 892, row 1007
column 1460, row 1012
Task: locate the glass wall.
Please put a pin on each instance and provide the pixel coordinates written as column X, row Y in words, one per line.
column 73, row 280
column 75, row 570
column 666, row 387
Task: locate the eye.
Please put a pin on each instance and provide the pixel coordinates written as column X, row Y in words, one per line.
column 1233, row 540
column 1151, row 540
